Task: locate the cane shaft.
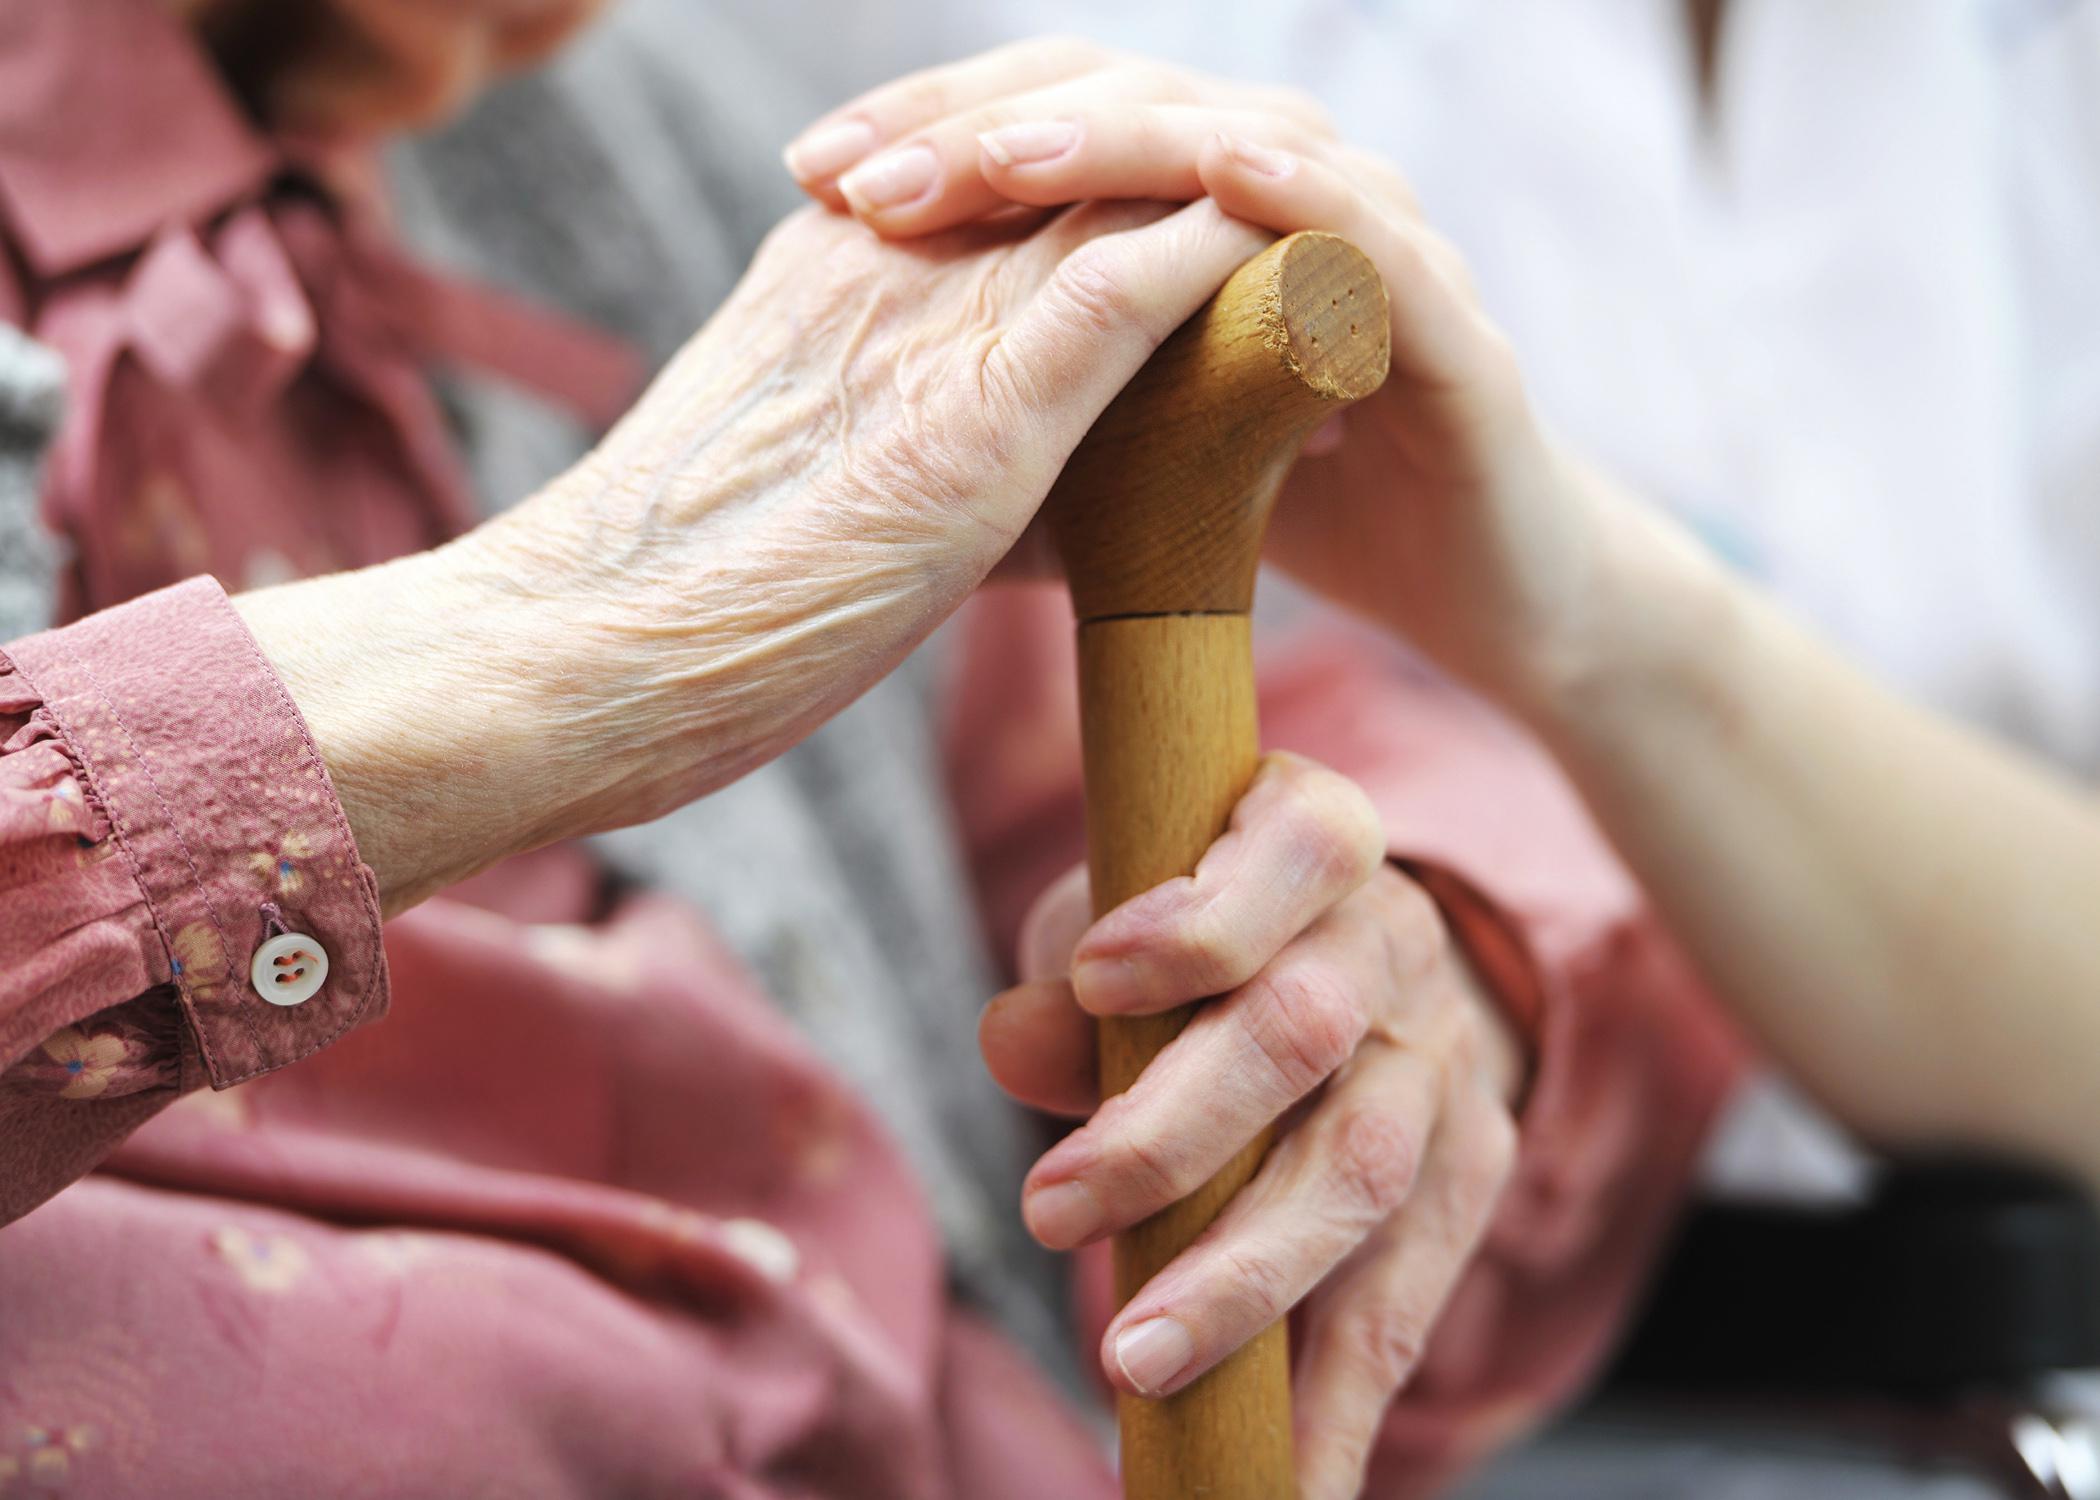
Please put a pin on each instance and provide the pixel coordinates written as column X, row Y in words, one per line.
column 1158, row 521
column 1167, row 715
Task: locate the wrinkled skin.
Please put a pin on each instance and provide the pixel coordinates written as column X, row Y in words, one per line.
column 855, row 440
column 846, row 450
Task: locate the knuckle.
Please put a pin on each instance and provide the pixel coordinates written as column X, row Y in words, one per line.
column 1354, row 830
column 1254, row 1289
column 1336, row 1467
column 922, row 97
column 1149, row 135
column 1096, row 220
column 1093, row 289
column 1331, row 822
column 784, row 239
column 1385, row 1341
column 1376, row 1157
column 1214, row 954
column 1154, row 1172
column 1160, row 82
column 1306, row 1025
column 1412, row 929
column 1492, row 1157
column 1416, row 910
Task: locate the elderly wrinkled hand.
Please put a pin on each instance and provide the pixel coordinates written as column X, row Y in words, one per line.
column 856, row 438
column 1346, row 1015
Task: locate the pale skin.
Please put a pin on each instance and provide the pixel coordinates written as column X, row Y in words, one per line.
column 814, row 482
column 1903, row 910
column 1345, row 1013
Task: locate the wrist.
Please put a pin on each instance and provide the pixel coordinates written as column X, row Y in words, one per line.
column 1649, row 631
column 1502, row 1052
column 429, row 695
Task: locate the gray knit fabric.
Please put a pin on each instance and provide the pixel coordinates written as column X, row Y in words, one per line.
column 630, row 183
column 32, row 381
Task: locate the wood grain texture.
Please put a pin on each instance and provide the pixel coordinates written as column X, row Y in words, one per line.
column 1162, row 508
column 1158, row 520
column 1156, row 799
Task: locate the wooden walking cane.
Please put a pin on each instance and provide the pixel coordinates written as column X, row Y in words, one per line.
column 1158, row 520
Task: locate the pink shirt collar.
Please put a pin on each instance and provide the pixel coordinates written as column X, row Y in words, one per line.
column 164, row 142
column 118, row 137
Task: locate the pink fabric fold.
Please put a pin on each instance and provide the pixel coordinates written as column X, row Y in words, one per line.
column 236, row 326
column 112, row 127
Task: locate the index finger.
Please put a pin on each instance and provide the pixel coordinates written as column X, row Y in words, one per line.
column 1301, row 840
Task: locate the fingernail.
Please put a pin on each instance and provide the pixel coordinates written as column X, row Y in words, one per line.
column 1150, row 1354
column 1107, row 985
column 1063, row 1214
column 888, row 180
column 829, row 148
column 1034, row 140
column 1256, row 158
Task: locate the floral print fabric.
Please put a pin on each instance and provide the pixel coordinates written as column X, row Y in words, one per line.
column 140, row 850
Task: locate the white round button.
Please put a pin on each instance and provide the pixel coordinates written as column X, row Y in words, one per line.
column 288, row 969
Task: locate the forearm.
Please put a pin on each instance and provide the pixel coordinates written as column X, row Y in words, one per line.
column 443, row 710
column 1901, row 909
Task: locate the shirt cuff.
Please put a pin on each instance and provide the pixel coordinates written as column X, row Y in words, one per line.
column 185, row 739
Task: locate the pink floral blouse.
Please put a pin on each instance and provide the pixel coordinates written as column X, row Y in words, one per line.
column 581, row 1215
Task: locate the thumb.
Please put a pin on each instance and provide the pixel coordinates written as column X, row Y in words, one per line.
column 1096, row 319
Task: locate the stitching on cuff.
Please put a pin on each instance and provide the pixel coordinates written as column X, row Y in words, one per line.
column 367, row 887
column 121, row 834
column 145, row 764
column 367, row 882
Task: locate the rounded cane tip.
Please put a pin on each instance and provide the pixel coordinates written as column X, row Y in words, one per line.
column 1331, row 316
column 1161, row 509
